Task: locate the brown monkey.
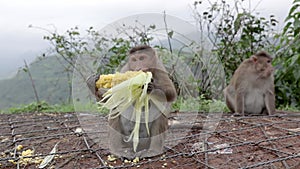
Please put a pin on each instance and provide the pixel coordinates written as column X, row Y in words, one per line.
column 251, row 89
column 161, row 87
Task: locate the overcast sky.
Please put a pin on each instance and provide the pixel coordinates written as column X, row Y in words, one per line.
column 19, row 42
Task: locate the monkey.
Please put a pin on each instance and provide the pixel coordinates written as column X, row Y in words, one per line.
column 161, row 87
column 251, row 89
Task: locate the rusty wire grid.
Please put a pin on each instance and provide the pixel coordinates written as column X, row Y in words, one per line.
column 238, row 142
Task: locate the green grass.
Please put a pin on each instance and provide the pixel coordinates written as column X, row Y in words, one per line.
column 199, row 104
column 61, row 108
column 289, row 108
column 91, row 108
column 39, row 107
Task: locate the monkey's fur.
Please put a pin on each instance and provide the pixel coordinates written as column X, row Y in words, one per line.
column 251, row 89
column 161, row 87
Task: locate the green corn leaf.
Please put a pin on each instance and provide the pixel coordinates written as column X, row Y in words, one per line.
column 129, row 92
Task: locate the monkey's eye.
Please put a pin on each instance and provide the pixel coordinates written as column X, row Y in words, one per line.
column 133, row 59
column 142, row 58
column 268, row 61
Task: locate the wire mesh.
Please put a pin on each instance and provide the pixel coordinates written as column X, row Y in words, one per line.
column 238, row 142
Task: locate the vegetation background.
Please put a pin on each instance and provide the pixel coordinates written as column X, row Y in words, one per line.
column 234, row 32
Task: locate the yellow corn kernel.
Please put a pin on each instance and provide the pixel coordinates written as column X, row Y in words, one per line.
column 136, row 160
column 27, row 153
column 12, row 161
column 127, row 161
column 111, row 158
column 19, row 147
column 110, row 80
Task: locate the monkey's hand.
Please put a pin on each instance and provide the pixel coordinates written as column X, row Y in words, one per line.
column 91, row 83
column 150, row 86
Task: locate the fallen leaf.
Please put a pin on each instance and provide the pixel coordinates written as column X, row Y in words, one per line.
column 48, row 158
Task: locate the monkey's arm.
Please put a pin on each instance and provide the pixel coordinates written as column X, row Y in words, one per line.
column 239, row 103
column 239, row 95
column 229, row 97
column 270, row 100
column 162, row 85
column 91, row 83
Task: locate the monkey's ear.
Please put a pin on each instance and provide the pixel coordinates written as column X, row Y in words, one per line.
column 254, row 58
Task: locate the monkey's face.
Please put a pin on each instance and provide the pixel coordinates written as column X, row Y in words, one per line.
column 264, row 67
column 141, row 61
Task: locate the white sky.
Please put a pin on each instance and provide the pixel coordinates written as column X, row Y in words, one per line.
column 18, row 42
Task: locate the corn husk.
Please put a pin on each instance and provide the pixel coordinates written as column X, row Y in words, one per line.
column 130, row 92
column 48, row 158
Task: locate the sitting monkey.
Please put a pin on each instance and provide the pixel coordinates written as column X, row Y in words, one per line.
column 251, row 89
column 161, row 87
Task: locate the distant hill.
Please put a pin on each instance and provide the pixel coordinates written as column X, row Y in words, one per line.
column 50, row 80
column 10, row 63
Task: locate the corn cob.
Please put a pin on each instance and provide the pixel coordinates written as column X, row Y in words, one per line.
column 133, row 91
column 110, row 80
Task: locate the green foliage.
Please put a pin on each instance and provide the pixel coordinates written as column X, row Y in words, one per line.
column 289, row 108
column 218, row 106
column 39, row 107
column 90, row 107
column 234, row 32
column 67, row 48
column 102, row 109
column 287, row 75
column 68, row 45
column 63, row 108
column 119, row 52
column 32, row 107
column 199, row 104
column 128, row 36
column 109, row 51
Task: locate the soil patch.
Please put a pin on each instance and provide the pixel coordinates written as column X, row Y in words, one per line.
column 223, row 142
